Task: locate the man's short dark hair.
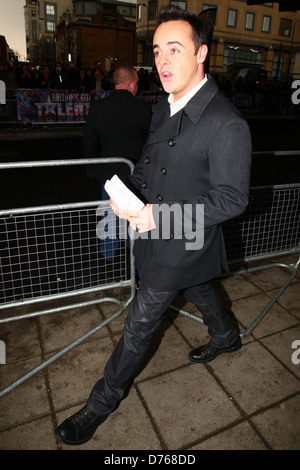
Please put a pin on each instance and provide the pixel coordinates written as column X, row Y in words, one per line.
column 174, row 13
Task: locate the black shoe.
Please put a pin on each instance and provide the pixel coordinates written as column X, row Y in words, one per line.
column 80, row 427
column 208, row 352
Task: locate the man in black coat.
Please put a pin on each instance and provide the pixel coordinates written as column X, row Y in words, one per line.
column 118, row 125
column 194, row 174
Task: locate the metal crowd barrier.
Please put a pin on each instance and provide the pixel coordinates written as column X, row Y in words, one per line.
column 58, row 252
column 269, row 228
column 54, row 252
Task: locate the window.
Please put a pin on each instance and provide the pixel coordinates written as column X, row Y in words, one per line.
column 240, row 54
column 249, row 23
column 50, row 18
column 50, row 10
column 85, row 7
column 50, row 26
column 126, row 10
column 179, row 4
column 231, row 20
column 277, row 65
column 285, row 27
column 266, row 26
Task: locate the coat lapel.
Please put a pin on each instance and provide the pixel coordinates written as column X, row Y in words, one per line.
column 197, row 105
column 164, row 127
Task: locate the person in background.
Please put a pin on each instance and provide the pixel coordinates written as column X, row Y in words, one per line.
column 44, row 77
column 80, row 83
column 98, row 77
column 59, row 78
column 90, row 82
column 196, row 161
column 25, row 77
column 116, row 126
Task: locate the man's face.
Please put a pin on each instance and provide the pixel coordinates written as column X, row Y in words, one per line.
column 179, row 68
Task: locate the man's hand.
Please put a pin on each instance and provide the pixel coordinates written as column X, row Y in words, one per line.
column 141, row 221
column 116, row 210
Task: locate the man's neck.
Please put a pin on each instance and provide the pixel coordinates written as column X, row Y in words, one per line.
column 176, row 106
column 121, row 86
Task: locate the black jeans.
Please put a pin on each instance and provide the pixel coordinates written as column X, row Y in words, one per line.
column 143, row 319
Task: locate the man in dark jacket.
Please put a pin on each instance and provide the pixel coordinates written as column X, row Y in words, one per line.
column 118, row 125
column 194, row 173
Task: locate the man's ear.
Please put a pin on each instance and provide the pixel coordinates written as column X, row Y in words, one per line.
column 202, row 53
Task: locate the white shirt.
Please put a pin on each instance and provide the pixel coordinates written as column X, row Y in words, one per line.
column 176, row 106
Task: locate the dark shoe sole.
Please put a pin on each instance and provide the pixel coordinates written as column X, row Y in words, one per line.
column 72, row 443
column 217, row 353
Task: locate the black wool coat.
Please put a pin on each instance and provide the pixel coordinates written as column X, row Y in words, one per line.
column 117, row 126
column 200, row 157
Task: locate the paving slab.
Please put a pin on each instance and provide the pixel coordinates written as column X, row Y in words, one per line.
column 72, row 377
column 186, row 404
column 280, row 424
column 254, row 378
column 239, row 437
column 26, row 402
column 247, row 400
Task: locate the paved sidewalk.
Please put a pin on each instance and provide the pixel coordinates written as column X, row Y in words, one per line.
column 245, row 400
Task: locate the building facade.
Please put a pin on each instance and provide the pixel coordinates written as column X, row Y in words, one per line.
column 47, row 25
column 41, row 20
column 244, row 36
column 105, row 37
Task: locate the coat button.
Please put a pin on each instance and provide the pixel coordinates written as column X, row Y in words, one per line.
column 144, row 186
column 147, row 160
column 172, row 142
column 159, row 197
column 163, row 171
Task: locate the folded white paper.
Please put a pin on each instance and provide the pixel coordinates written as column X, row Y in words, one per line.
column 122, row 196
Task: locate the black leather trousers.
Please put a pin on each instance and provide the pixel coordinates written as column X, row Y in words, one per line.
column 143, row 319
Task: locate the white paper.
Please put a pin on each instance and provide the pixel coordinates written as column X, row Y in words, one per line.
column 122, row 196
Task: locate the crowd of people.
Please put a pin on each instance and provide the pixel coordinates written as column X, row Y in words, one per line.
column 268, row 95
column 61, row 76
column 68, row 76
